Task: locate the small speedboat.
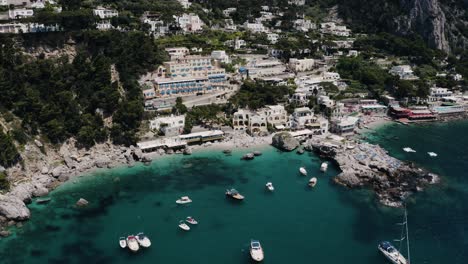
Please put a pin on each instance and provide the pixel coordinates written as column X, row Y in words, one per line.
column 407, row 149
column 132, row 243
column 269, row 186
column 432, row 154
column 143, row 240
column 303, row 171
column 324, row 167
column 233, row 193
column 391, row 253
column 248, row 156
column 122, row 242
column 191, row 220
column 183, row 200
column 256, row 251
column 43, row 200
column 312, row 182
column 183, row 225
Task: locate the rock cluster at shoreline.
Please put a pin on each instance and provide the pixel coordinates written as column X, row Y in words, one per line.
column 44, row 168
column 367, row 165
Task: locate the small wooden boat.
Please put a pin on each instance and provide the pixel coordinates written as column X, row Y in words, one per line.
column 191, row 220
column 122, row 242
column 303, row 171
column 256, row 250
column 233, row 193
column 270, row 187
column 132, row 243
column 312, row 182
column 324, row 167
column 257, row 153
column 184, row 200
column 143, row 240
column 183, row 225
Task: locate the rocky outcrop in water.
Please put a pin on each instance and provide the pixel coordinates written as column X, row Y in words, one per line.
column 285, row 141
column 13, row 208
column 367, row 165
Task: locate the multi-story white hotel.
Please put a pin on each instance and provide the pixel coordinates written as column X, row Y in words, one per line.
column 104, row 13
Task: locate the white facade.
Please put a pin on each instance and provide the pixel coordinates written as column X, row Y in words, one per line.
column 177, row 52
column 103, row 13
column 221, row 56
column 404, row 72
column 104, row 25
column 299, row 98
column 228, row 11
column 255, row 27
column 189, row 22
column 157, row 27
column 298, row 65
column 249, row 121
column 344, row 125
column 304, row 25
column 276, row 115
column 301, row 118
column 437, row 93
column 20, row 13
column 297, row 2
column 326, row 101
column 333, row 29
column 330, row 76
column 185, row 3
column 272, row 38
column 169, row 126
column 14, row 28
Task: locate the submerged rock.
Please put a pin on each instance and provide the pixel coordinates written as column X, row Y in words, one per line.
column 5, row 233
column 285, row 141
column 82, row 202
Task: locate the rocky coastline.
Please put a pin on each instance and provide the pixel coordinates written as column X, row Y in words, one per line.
column 364, row 165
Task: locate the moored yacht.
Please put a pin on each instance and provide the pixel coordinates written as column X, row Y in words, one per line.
column 191, row 220
column 256, row 250
column 312, row 182
column 143, row 240
column 183, row 225
column 391, row 253
column 269, row 186
column 234, row 194
column 324, row 167
column 122, row 242
column 184, row 200
column 303, row 171
column 132, row 243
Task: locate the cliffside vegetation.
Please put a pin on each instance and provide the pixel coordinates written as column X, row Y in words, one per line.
column 256, row 94
column 8, row 153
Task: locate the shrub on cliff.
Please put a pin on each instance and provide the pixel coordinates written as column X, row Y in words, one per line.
column 8, row 153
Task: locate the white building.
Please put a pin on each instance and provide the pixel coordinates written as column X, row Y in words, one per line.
column 221, row 56
column 230, row 25
column 177, row 52
column 344, row 125
column 20, row 13
column 437, row 93
column 104, row 25
column 103, row 12
column 169, row 126
column 325, row 101
column 265, row 68
column 249, row 121
column 297, row 2
column 301, row 118
column 228, row 11
column 301, row 65
column 276, row 115
column 333, row 29
column 189, row 22
column 236, row 43
column 14, row 28
column 304, row 25
column 330, row 76
column 185, row 3
column 255, row 27
column 272, row 38
column 404, row 72
column 299, row 98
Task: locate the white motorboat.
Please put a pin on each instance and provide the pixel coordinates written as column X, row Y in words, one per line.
column 408, row 149
column 324, row 167
column 391, row 253
column 143, row 240
column 233, row 193
column 256, row 250
column 432, row 154
column 123, row 242
column 269, row 186
column 183, row 225
column 303, row 171
column 132, row 243
column 183, row 200
column 191, row 220
column 312, row 182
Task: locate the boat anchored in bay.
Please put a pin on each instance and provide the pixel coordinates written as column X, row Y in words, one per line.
column 132, row 243
column 324, row 167
column 183, row 200
column 390, row 252
column 270, row 187
column 256, row 250
column 143, row 240
column 303, row 171
column 233, row 193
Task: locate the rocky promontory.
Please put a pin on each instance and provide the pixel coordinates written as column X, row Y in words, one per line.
column 368, row 165
column 285, row 141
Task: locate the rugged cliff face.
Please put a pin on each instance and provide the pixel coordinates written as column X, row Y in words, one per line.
column 443, row 24
column 427, row 18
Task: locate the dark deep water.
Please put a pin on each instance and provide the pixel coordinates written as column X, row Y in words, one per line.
column 328, row 224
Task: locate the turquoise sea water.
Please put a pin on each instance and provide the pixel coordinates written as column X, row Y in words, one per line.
column 296, row 224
